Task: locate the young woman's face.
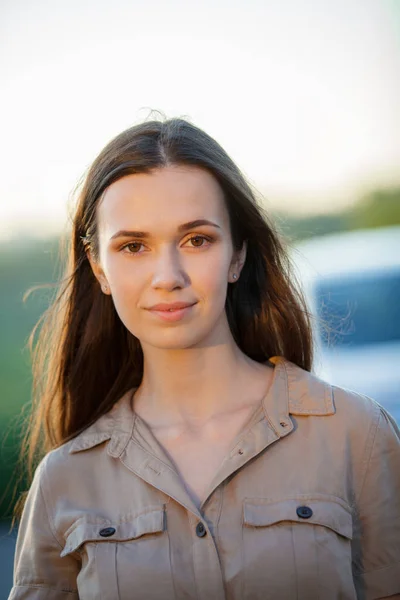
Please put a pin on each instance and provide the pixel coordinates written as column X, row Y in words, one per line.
column 165, row 238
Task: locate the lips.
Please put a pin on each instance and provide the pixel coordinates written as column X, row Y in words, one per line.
column 171, row 306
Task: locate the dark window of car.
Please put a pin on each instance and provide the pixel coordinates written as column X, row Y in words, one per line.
column 359, row 310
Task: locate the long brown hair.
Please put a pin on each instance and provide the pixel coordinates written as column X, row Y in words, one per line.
column 85, row 359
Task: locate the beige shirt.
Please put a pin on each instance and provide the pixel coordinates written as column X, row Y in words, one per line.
column 305, row 506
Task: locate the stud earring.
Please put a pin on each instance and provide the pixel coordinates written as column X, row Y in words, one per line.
column 234, row 276
column 105, row 288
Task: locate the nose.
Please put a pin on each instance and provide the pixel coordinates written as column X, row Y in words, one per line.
column 169, row 273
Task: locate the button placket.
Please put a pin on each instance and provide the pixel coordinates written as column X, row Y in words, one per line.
column 207, row 567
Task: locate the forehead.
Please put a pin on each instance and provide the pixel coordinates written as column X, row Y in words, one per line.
column 161, row 199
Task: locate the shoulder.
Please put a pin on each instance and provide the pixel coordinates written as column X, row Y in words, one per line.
column 310, row 395
column 348, row 413
column 112, row 430
column 348, row 426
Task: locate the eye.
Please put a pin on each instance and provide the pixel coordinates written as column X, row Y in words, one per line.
column 133, row 247
column 198, row 240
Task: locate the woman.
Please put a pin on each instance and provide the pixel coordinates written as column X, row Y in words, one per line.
column 190, row 453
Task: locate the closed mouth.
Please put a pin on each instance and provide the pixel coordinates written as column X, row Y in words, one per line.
column 172, row 308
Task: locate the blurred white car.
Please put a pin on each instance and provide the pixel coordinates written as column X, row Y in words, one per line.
column 352, row 283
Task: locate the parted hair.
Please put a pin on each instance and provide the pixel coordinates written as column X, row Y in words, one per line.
column 84, row 358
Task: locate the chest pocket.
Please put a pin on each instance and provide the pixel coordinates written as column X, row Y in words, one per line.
column 125, row 560
column 297, row 548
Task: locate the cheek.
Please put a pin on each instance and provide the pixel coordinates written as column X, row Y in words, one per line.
column 126, row 297
column 212, row 281
column 122, row 274
column 126, row 285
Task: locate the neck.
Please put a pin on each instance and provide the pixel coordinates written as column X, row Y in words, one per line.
column 194, row 385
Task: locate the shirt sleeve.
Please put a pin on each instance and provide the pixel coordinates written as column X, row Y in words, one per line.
column 39, row 572
column 376, row 542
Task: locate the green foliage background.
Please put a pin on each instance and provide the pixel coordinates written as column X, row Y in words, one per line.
column 24, row 264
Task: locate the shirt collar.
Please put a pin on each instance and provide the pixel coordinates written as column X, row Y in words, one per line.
column 293, row 392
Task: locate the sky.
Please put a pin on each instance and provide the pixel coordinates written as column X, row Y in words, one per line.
column 303, row 95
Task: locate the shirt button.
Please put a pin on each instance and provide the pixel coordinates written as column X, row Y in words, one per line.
column 200, row 530
column 107, row 531
column 304, row 512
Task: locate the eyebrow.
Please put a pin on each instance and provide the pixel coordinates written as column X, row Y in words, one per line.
column 181, row 229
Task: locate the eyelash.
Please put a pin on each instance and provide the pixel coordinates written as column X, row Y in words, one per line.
column 204, row 237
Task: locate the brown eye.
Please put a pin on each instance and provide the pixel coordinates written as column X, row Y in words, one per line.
column 197, row 240
column 133, row 247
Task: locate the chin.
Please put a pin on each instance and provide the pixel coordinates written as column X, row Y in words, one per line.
column 176, row 340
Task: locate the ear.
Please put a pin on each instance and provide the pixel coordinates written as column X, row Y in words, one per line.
column 238, row 260
column 98, row 273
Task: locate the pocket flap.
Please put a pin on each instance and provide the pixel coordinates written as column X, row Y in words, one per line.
column 84, row 531
column 259, row 512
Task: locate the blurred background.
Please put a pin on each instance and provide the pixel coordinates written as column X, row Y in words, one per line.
column 305, row 97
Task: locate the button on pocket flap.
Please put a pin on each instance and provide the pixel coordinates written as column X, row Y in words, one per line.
column 145, row 523
column 82, row 533
column 259, row 512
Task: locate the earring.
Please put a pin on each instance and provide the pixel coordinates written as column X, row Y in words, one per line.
column 234, row 276
column 105, row 288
